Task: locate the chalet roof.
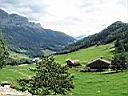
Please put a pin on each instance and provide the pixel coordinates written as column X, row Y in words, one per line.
column 102, row 60
column 72, row 61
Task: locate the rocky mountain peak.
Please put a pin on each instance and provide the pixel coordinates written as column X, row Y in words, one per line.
column 3, row 13
column 18, row 19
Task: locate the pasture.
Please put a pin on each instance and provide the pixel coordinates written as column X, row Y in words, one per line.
column 89, row 54
column 86, row 83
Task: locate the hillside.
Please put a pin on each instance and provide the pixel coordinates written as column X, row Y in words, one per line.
column 108, row 35
column 29, row 37
column 89, row 54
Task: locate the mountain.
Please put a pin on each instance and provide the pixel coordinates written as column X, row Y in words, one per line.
column 29, row 37
column 80, row 37
column 111, row 33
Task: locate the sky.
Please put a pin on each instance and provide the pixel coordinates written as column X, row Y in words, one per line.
column 74, row 17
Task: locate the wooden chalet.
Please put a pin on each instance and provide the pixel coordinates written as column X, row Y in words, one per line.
column 98, row 65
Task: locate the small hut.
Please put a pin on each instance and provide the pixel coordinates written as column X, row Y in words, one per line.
column 73, row 63
column 98, row 65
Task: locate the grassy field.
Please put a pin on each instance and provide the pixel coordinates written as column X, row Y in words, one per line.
column 13, row 73
column 87, row 83
column 89, row 54
column 99, row 84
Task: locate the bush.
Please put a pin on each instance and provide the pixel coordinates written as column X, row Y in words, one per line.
column 11, row 61
column 51, row 78
column 119, row 62
column 25, row 61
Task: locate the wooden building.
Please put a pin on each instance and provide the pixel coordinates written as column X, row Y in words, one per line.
column 73, row 63
column 98, row 65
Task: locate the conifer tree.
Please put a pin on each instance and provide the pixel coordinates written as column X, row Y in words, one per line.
column 3, row 53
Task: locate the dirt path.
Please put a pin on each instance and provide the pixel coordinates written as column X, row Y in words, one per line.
column 7, row 91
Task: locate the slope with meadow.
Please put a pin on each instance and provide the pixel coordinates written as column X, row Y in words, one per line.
column 86, row 84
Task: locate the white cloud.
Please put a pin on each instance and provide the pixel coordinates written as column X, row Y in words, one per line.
column 91, row 16
column 74, row 17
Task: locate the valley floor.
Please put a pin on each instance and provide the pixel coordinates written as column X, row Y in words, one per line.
column 86, row 83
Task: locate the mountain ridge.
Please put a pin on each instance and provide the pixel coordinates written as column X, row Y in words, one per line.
column 107, row 35
column 30, row 36
column 80, row 37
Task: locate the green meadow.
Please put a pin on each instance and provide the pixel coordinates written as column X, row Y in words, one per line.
column 86, row 83
column 12, row 73
column 89, row 54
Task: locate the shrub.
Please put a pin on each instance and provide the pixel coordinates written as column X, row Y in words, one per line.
column 51, row 78
column 119, row 62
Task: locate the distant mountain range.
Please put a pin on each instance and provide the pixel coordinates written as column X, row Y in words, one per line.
column 29, row 37
column 80, row 37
